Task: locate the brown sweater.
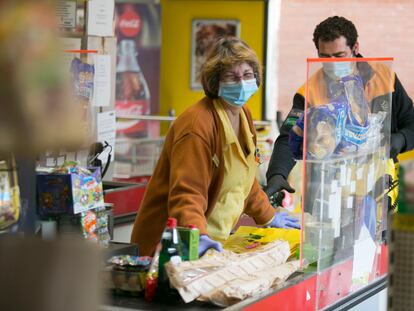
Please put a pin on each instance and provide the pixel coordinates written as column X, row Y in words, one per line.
column 187, row 179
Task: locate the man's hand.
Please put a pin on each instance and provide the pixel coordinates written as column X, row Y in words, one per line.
column 282, row 220
column 397, row 145
column 296, row 138
column 206, row 243
column 276, row 184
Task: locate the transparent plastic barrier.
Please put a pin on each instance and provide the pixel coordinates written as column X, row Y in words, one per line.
column 346, row 135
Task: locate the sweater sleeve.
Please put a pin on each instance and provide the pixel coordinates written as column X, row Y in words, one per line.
column 257, row 205
column 190, row 176
column 404, row 114
column 282, row 160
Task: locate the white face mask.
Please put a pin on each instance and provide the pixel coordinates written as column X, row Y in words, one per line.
column 338, row 70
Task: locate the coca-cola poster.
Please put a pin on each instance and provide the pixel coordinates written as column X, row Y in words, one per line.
column 138, row 31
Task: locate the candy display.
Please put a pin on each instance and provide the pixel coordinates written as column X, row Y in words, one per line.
column 69, row 189
column 94, row 225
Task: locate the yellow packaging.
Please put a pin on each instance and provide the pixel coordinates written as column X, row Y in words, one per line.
column 247, row 239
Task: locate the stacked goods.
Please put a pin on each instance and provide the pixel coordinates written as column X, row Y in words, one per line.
column 226, row 278
column 127, row 273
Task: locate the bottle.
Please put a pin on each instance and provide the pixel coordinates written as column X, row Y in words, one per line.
column 152, row 276
column 171, row 250
column 132, row 94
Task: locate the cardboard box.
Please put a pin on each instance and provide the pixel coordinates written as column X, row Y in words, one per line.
column 190, row 238
column 70, row 193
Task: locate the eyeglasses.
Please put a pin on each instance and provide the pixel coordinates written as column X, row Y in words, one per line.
column 232, row 77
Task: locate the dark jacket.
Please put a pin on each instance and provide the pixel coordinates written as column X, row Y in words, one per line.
column 402, row 121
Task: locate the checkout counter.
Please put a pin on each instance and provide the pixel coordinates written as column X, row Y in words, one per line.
column 344, row 250
column 348, row 266
column 349, row 258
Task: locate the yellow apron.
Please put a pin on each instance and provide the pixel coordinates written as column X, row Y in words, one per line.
column 239, row 175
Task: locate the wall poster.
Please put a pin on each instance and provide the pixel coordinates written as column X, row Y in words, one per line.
column 204, row 33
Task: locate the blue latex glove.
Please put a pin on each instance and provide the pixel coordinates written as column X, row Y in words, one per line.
column 282, row 220
column 206, row 243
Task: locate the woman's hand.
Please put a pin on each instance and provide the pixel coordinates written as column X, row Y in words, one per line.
column 206, row 243
column 282, row 220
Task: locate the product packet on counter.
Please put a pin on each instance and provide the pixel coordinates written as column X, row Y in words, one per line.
column 127, row 273
column 248, row 239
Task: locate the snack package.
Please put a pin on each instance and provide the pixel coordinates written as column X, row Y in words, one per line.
column 127, row 273
column 94, row 225
column 83, row 84
column 325, row 129
column 248, row 239
column 83, row 76
column 342, row 126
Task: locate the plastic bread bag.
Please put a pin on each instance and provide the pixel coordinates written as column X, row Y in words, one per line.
column 198, row 278
column 325, row 129
column 357, row 121
column 375, row 131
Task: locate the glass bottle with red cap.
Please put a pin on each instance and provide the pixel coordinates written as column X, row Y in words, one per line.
column 171, row 250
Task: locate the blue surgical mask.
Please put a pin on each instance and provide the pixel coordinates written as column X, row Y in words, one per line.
column 237, row 94
column 338, row 70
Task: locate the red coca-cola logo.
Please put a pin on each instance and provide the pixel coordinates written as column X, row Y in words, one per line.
column 130, row 23
column 132, row 107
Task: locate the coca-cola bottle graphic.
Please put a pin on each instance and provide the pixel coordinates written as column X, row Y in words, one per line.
column 132, row 93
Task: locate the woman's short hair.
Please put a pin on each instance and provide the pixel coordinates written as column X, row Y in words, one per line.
column 227, row 52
